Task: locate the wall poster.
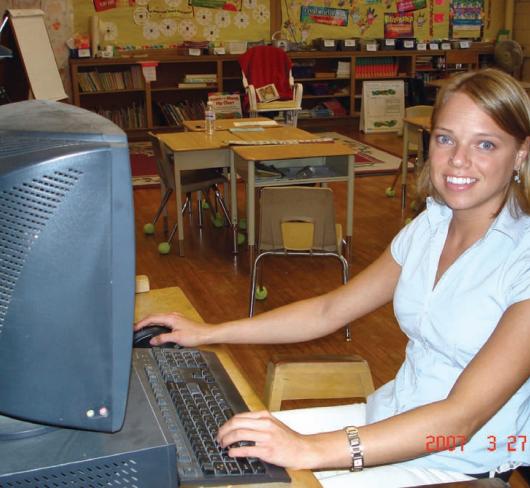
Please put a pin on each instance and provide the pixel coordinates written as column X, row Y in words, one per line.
column 466, row 19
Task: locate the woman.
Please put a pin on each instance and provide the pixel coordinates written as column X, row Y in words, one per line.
column 459, row 277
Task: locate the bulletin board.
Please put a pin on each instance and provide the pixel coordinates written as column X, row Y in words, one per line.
column 425, row 20
column 167, row 23
column 141, row 24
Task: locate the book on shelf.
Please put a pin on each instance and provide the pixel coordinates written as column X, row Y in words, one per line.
column 343, row 69
column 94, row 81
column 130, row 117
column 200, row 78
column 176, row 113
column 196, row 85
column 335, row 106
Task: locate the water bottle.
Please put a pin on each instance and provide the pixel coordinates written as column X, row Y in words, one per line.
column 209, row 119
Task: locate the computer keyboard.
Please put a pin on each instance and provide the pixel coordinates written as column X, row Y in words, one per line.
column 195, row 396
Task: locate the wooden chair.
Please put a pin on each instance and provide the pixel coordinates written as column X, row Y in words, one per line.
column 296, row 221
column 200, row 180
column 265, row 65
column 316, row 377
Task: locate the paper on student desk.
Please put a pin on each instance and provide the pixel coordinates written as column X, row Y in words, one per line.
column 261, row 123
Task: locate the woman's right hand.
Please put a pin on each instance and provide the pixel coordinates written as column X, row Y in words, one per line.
column 183, row 331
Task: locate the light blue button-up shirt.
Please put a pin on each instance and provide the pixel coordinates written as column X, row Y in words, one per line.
column 449, row 323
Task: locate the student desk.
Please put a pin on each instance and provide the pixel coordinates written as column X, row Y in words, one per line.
column 331, row 162
column 411, row 123
column 196, row 150
column 173, row 299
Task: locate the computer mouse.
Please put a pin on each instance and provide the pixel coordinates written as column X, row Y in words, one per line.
column 142, row 337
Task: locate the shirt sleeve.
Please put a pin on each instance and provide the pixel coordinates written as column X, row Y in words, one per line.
column 518, row 274
column 401, row 244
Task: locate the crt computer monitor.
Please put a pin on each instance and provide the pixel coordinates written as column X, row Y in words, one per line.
column 66, row 268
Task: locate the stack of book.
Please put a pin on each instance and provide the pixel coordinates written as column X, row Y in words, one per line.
column 343, row 69
column 175, row 113
column 131, row 117
column 200, row 80
column 370, row 68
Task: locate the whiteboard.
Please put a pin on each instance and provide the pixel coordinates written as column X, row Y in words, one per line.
column 37, row 54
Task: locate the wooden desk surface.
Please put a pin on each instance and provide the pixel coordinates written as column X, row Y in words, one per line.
column 200, row 141
column 293, row 151
column 173, row 299
column 195, row 141
column 221, row 124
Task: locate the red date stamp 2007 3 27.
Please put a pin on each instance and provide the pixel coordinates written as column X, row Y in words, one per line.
column 512, row 443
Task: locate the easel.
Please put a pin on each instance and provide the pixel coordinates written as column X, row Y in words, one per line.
column 32, row 72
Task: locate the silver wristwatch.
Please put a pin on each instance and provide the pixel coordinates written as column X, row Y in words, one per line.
column 356, row 448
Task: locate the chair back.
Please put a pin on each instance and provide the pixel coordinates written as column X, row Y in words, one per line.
column 299, row 205
column 262, row 65
column 163, row 165
column 417, row 111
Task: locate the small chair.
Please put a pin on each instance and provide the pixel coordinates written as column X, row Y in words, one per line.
column 316, row 377
column 265, row 65
column 297, row 221
column 200, row 180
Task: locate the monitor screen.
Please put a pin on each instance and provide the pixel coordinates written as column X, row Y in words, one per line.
column 66, row 267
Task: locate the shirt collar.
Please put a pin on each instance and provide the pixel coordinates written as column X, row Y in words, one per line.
column 505, row 223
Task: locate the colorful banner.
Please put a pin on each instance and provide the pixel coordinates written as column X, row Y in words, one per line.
column 410, row 5
column 324, row 15
column 399, row 25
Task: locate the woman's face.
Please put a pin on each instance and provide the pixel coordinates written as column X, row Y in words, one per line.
column 472, row 159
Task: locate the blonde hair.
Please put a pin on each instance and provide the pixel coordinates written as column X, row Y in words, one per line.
column 501, row 97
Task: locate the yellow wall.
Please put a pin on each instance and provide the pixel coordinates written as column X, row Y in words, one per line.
column 169, row 22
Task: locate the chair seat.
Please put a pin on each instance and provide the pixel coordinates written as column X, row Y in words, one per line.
column 199, row 179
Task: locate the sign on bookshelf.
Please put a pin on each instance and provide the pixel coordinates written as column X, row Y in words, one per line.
column 382, row 106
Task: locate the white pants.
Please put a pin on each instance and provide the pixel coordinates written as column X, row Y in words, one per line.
column 324, row 419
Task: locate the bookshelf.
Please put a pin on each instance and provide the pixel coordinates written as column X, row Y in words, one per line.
column 332, row 83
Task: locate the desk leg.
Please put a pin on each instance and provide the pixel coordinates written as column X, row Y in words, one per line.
column 178, row 200
column 404, row 166
column 251, row 211
column 233, row 201
column 349, row 207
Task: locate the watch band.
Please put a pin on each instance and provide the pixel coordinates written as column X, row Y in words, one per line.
column 356, row 448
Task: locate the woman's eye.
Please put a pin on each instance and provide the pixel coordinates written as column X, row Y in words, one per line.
column 486, row 145
column 443, row 139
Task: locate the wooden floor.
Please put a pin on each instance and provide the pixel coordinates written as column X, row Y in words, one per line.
column 217, row 282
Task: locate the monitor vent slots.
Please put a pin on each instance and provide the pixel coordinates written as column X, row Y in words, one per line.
column 35, row 202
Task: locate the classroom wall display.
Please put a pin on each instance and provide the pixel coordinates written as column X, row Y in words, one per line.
column 140, row 24
column 305, row 20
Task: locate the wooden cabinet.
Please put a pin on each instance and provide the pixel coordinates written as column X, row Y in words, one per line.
column 116, row 88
